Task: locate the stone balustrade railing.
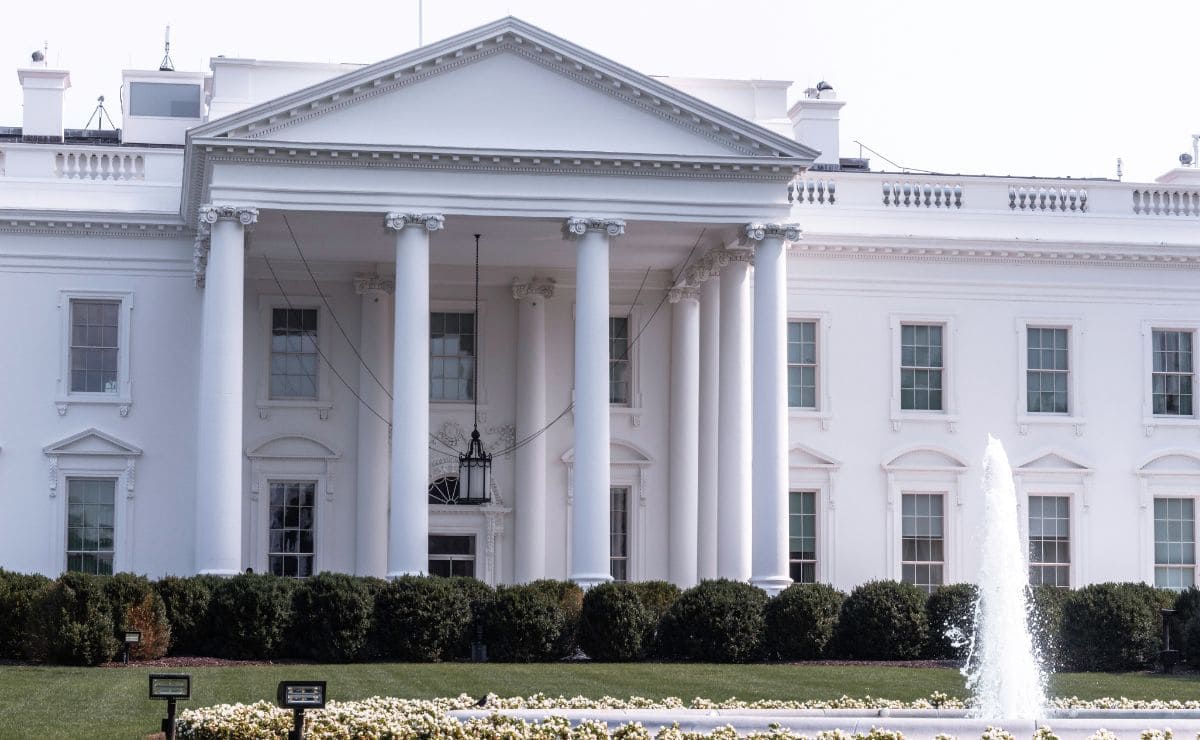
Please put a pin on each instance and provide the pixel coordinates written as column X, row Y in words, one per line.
column 909, row 194
column 90, row 177
column 99, row 164
column 1166, row 202
column 812, row 191
column 1042, row 198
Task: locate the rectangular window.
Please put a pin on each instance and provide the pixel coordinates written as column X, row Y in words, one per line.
column 802, row 364
column 921, row 365
column 802, row 536
column 452, row 555
column 618, row 361
column 1047, row 373
column 1174, row 542
column 94, row 346
column 1173, row 374
column 922, row 540
column 169, row 99
column 90, row 515
column 1050, row 540
column 451, row 356
column 292, row 528
column 618, row 533
column 293, row 353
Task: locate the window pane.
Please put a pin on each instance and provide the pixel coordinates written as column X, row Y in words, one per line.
column 802, row 364
column 294, row 353
column 452, row 345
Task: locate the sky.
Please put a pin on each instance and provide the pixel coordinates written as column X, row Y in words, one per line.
column 1051, row 88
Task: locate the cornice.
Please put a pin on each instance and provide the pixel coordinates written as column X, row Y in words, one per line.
column 91, row 226
column 1107, row 256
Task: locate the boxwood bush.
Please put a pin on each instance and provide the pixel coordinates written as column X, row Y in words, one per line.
column 251, row 617
column 419, row 618
column 570, row 599
column 71, row 622
column 1111, row 627
column 137, row 606
column 478, row 595
column 331, row 618
column 18, row 597
column 951, row 611
column 1045, row 623
column 186, row 601
column 615, row 625
column 800, row 621
column 717, row 621
column 883, row 620
column 525, row 624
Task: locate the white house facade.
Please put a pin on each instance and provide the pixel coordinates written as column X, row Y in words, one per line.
column 704, row 345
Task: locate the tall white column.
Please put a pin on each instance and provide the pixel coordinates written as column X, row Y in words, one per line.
column 684, row 437
column 529, row 515
column 218, row 544
column 374, row 372
column 769, row 567
column 710, row 357
column 590, row 512
column 408, row 517
column 733, row 435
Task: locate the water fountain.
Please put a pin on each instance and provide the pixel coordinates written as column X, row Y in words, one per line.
column 1003, row 672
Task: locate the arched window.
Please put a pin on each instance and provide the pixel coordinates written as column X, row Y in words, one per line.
column 444, row 490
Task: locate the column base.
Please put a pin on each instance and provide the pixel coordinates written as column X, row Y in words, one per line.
column 587, row 580
column 773, row 585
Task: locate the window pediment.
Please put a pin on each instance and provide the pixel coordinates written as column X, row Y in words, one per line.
column 924, row 458
column 92, row 442
column 1052, row 461
column 801, row 456
column 293, row 446
column 1171, row 462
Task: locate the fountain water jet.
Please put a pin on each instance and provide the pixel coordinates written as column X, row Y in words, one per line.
column 1002, row 669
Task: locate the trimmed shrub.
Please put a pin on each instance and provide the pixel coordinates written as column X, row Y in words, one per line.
column 251, row 616
column 18, row 597
column 951, row 611
column 717, row 621
column 570, row 599
column 615, row 625
column 71, row 622
column 419, row 618
column 883, row 620
column 137, row 606
column 657, row 596
column 1111, row 627
column 1187, row 608
column 331, row 618
column 186, row 601
column 478, row 595
column 800, row 621
column 524, row 624
column 1045, row 623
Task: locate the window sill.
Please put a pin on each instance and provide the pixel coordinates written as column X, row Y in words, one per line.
column 798, row 413
column 900, row 418
column 123, row 402
column 1024, row 421
column 265, row 406
column 1150, row 423
column 633, row 413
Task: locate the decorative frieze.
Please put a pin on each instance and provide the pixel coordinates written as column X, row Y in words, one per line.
column 575, row 227
column 372, row 283
column 430, row 221
column 543, row 287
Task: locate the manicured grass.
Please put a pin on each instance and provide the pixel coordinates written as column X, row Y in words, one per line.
column 54, row 702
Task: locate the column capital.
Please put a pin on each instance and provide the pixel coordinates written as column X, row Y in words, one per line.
column 373, row 283
column 535, row 287
column 683, row 293
column 577, row 226
column 398, row 220
column 210, row 214
column 758, row 232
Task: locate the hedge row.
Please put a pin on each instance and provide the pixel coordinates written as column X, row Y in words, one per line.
column 77, row 619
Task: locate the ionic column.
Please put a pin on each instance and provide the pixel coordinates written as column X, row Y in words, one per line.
column 590, row 513
column 218, row 544
column 733, row 434
column 529, row 516
column 684, row 437
column 375, row 370
column 769, row 567
column 408, row 518
column 710, row 357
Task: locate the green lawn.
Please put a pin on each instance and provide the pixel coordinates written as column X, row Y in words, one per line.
column 110, row 702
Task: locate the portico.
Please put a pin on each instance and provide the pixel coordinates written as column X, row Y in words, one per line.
column 370, row 231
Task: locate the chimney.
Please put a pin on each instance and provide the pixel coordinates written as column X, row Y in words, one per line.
column 44, row 90
column 815, row 122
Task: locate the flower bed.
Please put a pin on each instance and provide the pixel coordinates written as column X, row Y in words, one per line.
column 409, row 718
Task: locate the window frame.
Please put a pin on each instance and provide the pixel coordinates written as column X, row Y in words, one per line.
column 627, row 492
column 948, row 414
column 323, row 403
column 475, row 555
column 628, row 402
column 1155, row 565
column 1076, row 402
column 945, row 539
column 123, row 397
column 67, row 523
column 474, row 357
column 812, row 470
column 271, row 353
column 438, row 305
column 1043, row 492
column 924, row 469
column 316, row 524
column 823, row 412
column 816, row 515
column 1150, row 420
column 1053, row 472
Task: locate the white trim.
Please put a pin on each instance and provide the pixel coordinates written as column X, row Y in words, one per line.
column 949, row 412
column 1150, row 420
column 122, row 398
column 820, row 477
column 1162, row 483
column 1074, row 493
column 261, row 356
column 945, row 479
column 624, row 472
column 632, row 410
column 823, row 413
column 1076, row 403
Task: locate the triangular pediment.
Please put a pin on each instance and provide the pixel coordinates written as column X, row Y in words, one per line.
column 506, row 86
column 1053, row 461
column 801, row 456
column 92, row 442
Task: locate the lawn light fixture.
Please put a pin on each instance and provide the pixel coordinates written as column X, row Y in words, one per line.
column 475, row 464
column 1168, row 656
column 298, row 696
column 132, row 637
column 172, row 687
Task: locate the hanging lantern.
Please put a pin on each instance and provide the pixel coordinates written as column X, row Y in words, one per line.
column 474, row 465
